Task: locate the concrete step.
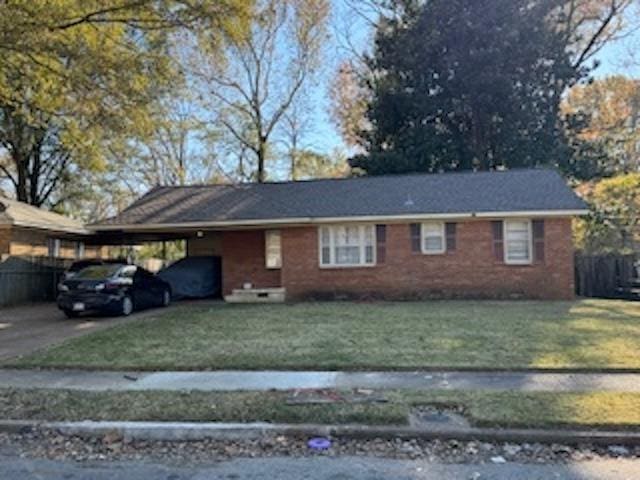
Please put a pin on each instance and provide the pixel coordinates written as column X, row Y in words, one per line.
column 256, row 295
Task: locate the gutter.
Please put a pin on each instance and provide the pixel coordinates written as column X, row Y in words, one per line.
column 325, row 220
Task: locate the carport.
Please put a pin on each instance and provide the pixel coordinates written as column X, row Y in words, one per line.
column 249, row 255
column 199, row 243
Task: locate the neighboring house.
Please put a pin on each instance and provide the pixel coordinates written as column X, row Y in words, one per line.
column 35, row 247
column 503, row 234
column 27, row 231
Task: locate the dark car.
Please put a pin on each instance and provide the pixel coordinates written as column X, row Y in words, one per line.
column 116, row 289
column 82, row 264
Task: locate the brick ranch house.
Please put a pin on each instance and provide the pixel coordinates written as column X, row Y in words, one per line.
column 501, row 234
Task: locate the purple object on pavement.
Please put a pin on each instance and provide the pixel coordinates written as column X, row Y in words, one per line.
column 319, row 443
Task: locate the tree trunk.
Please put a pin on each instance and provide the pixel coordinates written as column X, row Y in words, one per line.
column 262, row 153
column 21, row 169
column 293, row 165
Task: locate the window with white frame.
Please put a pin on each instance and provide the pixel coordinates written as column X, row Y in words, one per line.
column 517, row 242
column 347, row 246
column 273, row 249
column 433, row 238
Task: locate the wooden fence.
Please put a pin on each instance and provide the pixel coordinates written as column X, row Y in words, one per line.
column 604, row 276
column 29, row 279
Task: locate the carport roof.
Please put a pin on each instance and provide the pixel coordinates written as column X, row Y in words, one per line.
column 525, row 191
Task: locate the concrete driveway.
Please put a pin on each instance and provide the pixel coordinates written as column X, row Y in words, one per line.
column 31, row 327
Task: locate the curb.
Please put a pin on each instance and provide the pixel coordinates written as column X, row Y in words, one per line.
column 7, row 364
column 179, row 431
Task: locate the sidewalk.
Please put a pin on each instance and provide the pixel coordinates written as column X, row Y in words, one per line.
column 281, row 380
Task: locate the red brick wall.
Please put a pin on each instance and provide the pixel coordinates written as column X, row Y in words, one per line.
column 470, row 271
column 243, row 261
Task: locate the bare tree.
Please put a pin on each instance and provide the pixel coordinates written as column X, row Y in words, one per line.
column 590, row 24
column 265, row 72
column 297, row 124
column 171, row 155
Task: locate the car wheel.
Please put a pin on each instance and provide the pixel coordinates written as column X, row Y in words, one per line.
column 126, row 308
column 71, row 313
column 166, row 298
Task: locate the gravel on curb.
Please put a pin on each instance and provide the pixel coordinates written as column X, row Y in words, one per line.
column 167, row 431
column 185, row 431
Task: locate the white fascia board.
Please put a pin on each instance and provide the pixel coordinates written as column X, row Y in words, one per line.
column 533, row 213
column 150, row 227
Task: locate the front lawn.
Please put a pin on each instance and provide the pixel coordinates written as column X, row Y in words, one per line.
column 587, row 334
column 488, row 409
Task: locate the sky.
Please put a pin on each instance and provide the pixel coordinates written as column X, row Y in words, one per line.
column 614, row 59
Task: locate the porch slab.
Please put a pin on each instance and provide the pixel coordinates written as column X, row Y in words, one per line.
column 256, row 295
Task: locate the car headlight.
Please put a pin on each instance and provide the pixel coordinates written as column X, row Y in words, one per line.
column 62, row 287
column 99, row 287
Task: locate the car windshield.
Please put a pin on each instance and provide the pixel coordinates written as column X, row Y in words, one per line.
column 97, row 272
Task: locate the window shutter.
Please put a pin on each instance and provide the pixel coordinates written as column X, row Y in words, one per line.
column 538, row 240
column 381, row 243
column 450, row 233
column 415, row 237
column 498, row 240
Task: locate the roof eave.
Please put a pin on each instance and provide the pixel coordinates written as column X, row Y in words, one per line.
column 247, row 223
column 52, row 228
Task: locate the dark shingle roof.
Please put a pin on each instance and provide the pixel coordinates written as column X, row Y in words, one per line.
column 448, row 193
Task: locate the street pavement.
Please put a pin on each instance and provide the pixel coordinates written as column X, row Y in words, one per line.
column 315, row 468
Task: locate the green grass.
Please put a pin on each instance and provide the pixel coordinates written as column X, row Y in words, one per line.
column 495, row 409
column 588, row 334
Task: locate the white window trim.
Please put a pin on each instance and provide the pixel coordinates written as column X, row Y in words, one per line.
column 505, row 242
column 423, row 236
column 267, row 235
column 332, row 263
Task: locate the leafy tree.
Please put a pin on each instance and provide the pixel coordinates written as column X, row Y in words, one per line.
column 603, row 122
column 36, row 161
column 78, row 77
column 467, row 85
column 583, row 27
column 311, row 164
column 614, row 224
